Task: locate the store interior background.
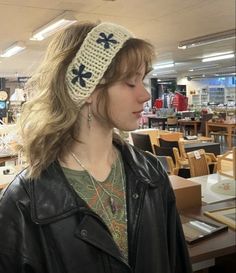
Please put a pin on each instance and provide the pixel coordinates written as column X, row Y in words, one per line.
column 165, row 23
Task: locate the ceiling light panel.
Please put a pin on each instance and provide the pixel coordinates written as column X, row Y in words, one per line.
column 13, row 50
column 164, row 65
column 208, row 39
column 217, row 58
column 55, row 25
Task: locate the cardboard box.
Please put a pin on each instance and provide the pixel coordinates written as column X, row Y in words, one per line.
column 187, row 192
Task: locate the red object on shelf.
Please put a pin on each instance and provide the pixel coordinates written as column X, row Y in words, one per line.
column 180, row 102
column 158, row 103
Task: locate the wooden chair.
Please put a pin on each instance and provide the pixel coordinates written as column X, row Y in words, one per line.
column 198, row 163
column 172, row 123
column 142, row 141
column 167, row 143
column 171, row 136
column 153, row 133
column 168, row 165
column 228, row 159
column 164, row 151
column 180, row 162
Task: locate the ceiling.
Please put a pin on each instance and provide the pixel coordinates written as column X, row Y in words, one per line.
column 162, row 22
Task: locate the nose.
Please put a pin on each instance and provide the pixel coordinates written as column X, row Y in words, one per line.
column 144, row 95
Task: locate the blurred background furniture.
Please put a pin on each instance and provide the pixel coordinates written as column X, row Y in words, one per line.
column 167, row 143
column 229, row 126
column 164, row 151
column 168, row 165
column 152, row 132
column 156, row 122
column 198, row 163
column 172, row 124
column 204, row 118
column 189, row 126
column 170, row 136
column 209, row 147
column 142, row 141
column 227, row 163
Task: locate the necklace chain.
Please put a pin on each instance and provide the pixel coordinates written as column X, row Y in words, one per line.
column 112, row 224
column 112, row 202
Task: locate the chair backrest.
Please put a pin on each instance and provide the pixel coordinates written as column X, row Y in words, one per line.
column 179, row 161
column 198, row 163
column 229, row 162
column 153, row 133
column 142, row 141
column 164, row 151
column 171, row 136
column 172, row 121
column 166, row 143
column 168, row 164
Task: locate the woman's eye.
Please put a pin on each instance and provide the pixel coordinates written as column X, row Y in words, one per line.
column 130, row 85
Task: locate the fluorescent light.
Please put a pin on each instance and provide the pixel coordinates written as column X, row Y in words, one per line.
column 13, row 49
column 216, row 58
column 203, row 67
column 55, row 25
column 208, row 39
column 164, row 65
column 217, row 54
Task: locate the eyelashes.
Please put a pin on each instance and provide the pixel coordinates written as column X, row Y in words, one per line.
column 130, row 85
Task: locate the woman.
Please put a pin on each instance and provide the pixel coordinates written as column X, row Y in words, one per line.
column 88, row 202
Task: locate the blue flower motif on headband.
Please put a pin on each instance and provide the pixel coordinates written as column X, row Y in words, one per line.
column 106, row 40
column 80, row 75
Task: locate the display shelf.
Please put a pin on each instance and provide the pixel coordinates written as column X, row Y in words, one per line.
column 216, row 94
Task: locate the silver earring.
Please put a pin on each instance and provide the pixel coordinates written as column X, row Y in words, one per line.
column 89, row 117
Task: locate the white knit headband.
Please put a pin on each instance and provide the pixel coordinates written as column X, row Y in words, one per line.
column 93, row 58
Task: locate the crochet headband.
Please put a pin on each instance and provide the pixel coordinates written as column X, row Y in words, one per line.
column 96, row 53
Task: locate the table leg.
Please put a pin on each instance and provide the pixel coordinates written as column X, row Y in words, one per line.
column 163, row 125
column 229, row 137
column 195, row 129
column 207, row 129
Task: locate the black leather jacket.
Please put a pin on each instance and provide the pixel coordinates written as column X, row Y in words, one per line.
column 45, row 227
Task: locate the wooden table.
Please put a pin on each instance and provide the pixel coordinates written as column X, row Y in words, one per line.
column 186, row 122
column 153, row 117
column 208, row 182
column 203, row 254
column 229, row 127
column 209, row 147
column 6, row 157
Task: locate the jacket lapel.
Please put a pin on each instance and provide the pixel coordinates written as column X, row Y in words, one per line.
column 91, row 231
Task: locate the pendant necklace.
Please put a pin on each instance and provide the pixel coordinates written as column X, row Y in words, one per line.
column 111, row 200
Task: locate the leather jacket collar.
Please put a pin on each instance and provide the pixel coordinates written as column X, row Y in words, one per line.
column 54, row 198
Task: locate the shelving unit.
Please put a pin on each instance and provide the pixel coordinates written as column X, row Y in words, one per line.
column 200, row 99
column 216, row 94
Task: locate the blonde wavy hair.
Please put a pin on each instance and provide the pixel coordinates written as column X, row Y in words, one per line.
column 49, row 121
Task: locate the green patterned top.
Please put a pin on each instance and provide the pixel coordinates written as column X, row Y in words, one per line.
column 114, row 184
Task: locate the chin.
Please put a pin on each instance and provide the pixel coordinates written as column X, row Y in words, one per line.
column 130, row 127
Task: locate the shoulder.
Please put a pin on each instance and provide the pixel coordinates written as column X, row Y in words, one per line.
column 15, row 193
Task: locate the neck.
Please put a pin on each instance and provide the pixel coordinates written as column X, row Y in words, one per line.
column 94, row 149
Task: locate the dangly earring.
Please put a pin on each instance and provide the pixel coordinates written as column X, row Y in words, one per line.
column 89, row 116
